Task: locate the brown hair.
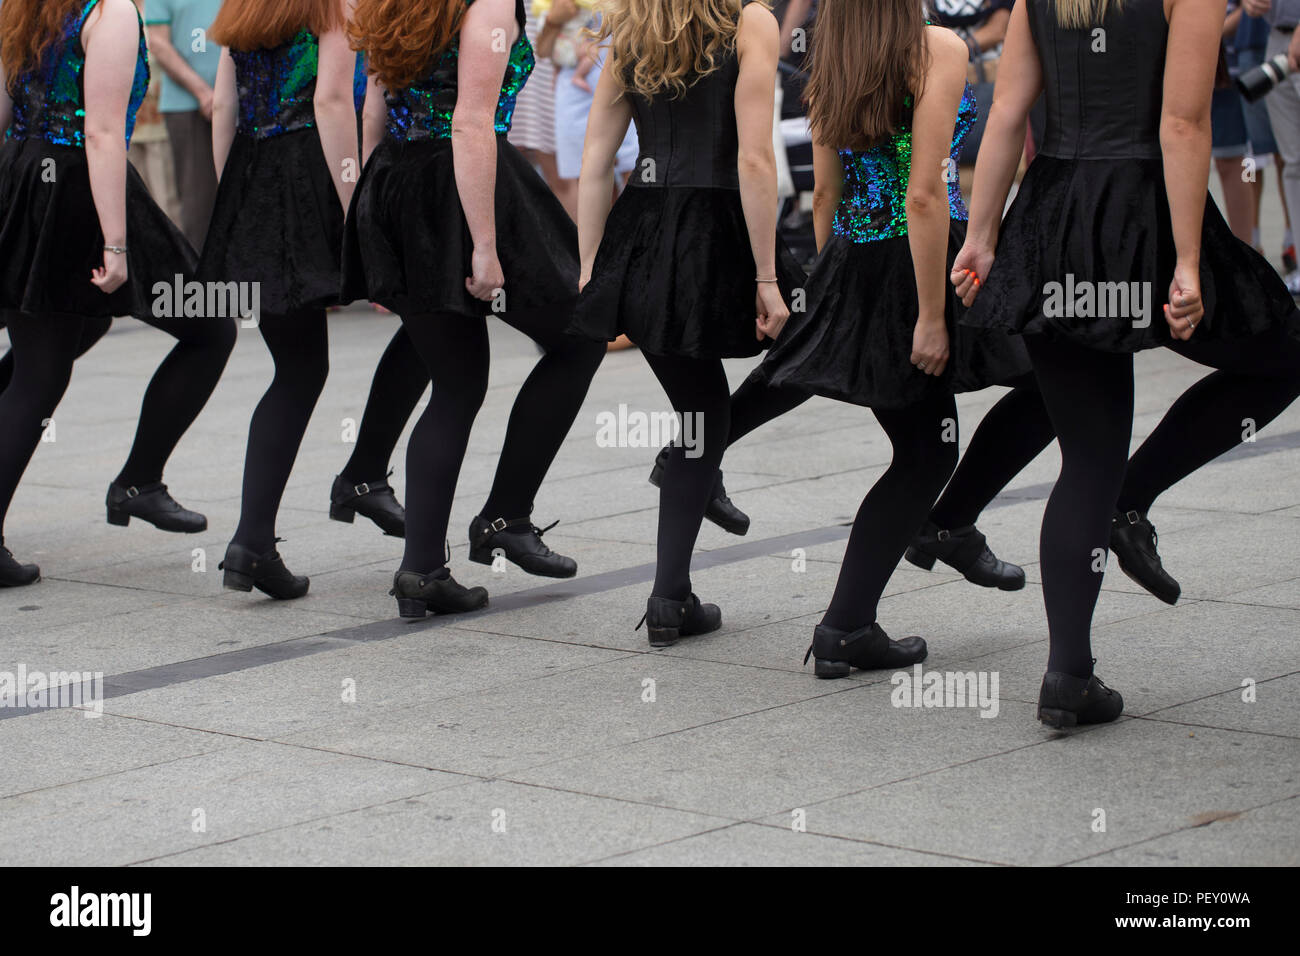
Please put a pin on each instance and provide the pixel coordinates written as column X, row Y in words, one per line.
column 664, row 46
column 402, row 38
column 866, row 59
column 28, row 31
column 257, row 25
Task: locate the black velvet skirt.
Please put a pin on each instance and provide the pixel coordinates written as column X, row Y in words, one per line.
column 854, row 343
column 50, row 240
column 278, row 223
column 408, row 247
column 675, row 274
column 1086, row 239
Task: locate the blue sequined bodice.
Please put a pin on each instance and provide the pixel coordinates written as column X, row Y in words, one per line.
column 873, row 205
column 423, row 111
column 50, row 101
column 277, row 87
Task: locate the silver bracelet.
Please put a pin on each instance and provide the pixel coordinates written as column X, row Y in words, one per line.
column 773, row 279
column 116, row 250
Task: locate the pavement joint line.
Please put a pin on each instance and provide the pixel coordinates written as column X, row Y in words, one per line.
column 1226, row 730
column 891, row 846
column 1182, row 829
column 1217, row 693
column 596, row 861
column 166, row 675
column 261, row 655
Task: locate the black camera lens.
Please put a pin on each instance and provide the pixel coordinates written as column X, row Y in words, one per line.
column 1257, row 82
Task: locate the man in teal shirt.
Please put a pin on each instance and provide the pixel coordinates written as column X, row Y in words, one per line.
column 178, row 42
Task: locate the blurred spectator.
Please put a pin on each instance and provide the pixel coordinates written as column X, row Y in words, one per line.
column 533, row 129
column 149, row 151
column 982, row 24
column 577, row 70
column 1242, row 134
column 1283, row 102
column 178, row 43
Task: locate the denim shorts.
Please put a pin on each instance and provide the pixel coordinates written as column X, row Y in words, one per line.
column 1238, row 128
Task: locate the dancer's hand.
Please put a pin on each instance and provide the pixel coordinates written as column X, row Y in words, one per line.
column 111, row 276
column 969, row 270
column 1185, row 309
column 930, row 345
column 487, row 277
column 772, row 311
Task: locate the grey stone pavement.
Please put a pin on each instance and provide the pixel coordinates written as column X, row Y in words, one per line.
column 544, row 730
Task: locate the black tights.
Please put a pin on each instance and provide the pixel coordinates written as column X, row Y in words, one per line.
column 299, row 345
column 1254, row 382
column 44, row 348
column 454, row 349
column 400, row 379
column 92, row 330
column 924, row 437
column 896, row 505
column 700, row 395
column 177, row 393
column 1089, row 396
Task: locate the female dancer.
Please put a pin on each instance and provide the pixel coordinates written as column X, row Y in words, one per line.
column 1115, row 196
column 890, row 108
column 690, row 247
column 284, row 130
column 81, row 240
column 450, row 223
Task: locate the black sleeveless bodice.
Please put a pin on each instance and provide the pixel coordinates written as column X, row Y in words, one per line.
column 1104, row 86
column 690, row 140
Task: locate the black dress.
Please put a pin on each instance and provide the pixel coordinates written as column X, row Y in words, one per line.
column 278, row 221
column 50, row 239
column 1090, row 226
column 854, row 343
column 407, row 245
column 675, row 271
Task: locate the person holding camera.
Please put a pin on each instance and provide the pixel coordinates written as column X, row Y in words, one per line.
column 1283, row 102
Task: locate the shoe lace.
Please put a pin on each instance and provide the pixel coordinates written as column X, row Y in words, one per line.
column 541, row 531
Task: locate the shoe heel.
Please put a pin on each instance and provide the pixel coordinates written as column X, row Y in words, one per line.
column 830, row 670
column 921, row 559
column 235, row 581
column 411, row 609
column 1056, row 718
column 119, row 518
column 663, row 636
column 342, row 513
column 481, row 556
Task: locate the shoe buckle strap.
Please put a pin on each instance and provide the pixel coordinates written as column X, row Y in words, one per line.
column 133, row 492
column 943, row 535
column 498, row 524
column 361, row 489
column 1132, row 517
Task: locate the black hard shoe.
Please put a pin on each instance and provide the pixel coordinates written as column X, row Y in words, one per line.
column 13, row 574
column 868, row 648
column 667, row 620
column 153, row 504
column 966, row 551
column 375, row 500
column 421, row 594
column 1133, row 541
column 522, row 548
column 1066, row 701
column 246, row 569
column 720, row 511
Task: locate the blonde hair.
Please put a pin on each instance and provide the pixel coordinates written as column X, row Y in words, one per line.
column 665, row 46
column 1081, row 14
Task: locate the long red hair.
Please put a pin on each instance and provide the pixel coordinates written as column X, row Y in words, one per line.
column 258, row 25
column 28, row 31
column 402, row 38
